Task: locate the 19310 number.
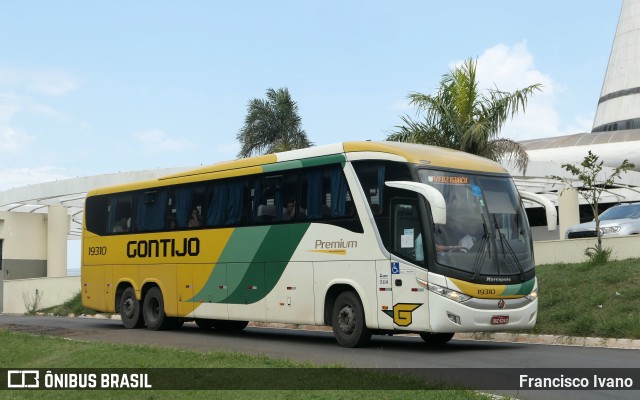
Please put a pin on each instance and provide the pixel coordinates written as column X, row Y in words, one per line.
column 98, row 251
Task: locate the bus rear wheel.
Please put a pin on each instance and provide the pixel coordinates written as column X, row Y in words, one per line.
column 130, row 310
column 436, row 339
column 348, row 322
column 153, row 310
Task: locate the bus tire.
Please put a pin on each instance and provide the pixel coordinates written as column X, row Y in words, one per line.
column 204, row 324
column 229, row 326
column 436, row 339
column 130, row 310
column 347, row 321
column 153, row 310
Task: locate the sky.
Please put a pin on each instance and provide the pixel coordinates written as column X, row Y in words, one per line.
column 90, row 87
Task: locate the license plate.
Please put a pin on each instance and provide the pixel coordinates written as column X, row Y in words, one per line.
column 499, row 320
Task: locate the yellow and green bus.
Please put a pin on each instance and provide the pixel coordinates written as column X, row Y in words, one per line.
column 365, row 237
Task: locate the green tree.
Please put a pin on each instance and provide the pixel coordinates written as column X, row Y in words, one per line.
column 272, row 125
column 460, row 116
column 594, row 181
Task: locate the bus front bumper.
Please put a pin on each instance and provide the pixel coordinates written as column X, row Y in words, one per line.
column 481, row 315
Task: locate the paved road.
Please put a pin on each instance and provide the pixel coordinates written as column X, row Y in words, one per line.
column 384, row 352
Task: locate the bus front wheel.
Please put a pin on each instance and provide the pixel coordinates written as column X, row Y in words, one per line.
column 436, row 339
column 130, row 310
column 348, row 322
column 153, row 310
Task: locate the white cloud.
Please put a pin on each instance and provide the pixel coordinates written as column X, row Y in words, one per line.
column 18, row 177
column 13, row 140
column 512, row 67
column 10, row 104
column 42, row 81
column 157, row 141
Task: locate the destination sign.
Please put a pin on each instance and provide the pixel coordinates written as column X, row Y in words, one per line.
column 449, row 179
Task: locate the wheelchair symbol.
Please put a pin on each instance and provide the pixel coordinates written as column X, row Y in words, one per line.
column 395, row 268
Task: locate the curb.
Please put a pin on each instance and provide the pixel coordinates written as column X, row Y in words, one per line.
column 630, row 344
column 558, row 340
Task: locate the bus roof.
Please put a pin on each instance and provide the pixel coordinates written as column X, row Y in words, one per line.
column 413, row 153
column 409, row 152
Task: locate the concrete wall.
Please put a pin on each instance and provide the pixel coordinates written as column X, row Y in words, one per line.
column 25, row 245
column 53, row 291
column 572, row 250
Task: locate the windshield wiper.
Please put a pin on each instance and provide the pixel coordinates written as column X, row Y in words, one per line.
column 479, row 260
column 505, row 243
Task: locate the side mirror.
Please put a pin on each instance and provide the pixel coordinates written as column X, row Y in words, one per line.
column 549, row 208
column 431, row 194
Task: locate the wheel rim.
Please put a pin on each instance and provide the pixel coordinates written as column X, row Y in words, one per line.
column 128, row 308
column 154, row 308
column 347, row 320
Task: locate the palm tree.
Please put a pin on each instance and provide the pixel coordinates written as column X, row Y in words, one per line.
column 460, row 117
column 272, row 125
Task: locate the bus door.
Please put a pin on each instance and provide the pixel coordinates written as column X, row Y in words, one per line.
column 410, row 306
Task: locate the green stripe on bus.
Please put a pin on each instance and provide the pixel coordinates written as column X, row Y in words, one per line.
column 308, row 162
column 282, row 166
column 324, row 160
column 268, row 264
column 519, row 289
column 241, row 247
column 251, row 263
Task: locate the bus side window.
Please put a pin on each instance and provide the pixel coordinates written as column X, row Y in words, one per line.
column 408, row 239
column 264, row 207
column 151, row 209
column 188, row 206
column 274, row 198
column 373, row 175
column 289, row 196
column 225, row 204
column 324, row 194
column 97, row 211
column 120, row 212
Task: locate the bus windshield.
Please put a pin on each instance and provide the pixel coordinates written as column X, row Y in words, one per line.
column 485, row 233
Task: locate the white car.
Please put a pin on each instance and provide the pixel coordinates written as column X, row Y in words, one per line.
column 620, row 220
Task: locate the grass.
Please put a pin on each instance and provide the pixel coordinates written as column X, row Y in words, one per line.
column 590, row 300
column 72, row 306
column 575, row 300
column 23, row 351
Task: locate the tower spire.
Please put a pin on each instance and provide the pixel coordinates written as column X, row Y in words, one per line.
column 619, row 103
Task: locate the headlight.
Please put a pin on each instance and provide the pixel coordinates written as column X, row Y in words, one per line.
column 444, row 292
column 609, row 229
column 533, row 295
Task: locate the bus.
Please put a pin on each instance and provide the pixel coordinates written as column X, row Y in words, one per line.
column 364, row 237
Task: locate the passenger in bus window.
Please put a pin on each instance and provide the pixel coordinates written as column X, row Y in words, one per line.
column 470, row 232
column 172, row 223
column 290, row 211
column 196, row 220
column 121, row 225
